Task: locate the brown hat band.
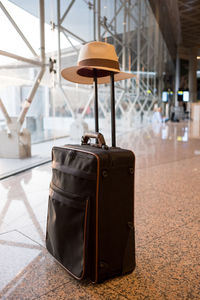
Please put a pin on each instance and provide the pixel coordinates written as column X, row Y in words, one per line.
column 100, row 62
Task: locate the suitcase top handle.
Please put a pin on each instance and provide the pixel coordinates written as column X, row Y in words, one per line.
column 95, row 135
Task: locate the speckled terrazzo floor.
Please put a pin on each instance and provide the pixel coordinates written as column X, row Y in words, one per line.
column 167, row 214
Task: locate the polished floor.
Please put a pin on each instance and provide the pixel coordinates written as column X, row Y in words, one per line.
column 167, row 213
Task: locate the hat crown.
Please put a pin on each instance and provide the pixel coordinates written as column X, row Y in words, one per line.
column 97, row 50
column 95, row 60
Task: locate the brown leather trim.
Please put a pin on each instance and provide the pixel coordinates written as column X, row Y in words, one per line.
column 97, row 219
column 99, row 62
column 133, row 191
column 134, row 197
column 97, row 207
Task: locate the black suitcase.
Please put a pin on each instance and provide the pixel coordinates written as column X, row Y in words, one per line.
column 90, row 223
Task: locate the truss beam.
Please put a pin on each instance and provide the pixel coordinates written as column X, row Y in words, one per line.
column 21, row 58
column 67, row 11
column 18, row 29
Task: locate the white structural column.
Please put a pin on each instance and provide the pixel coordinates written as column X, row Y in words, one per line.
column 98, row 20
column 124, row 41
column 59, row 28
column 177, row 78
column 138, row 48
column 94, row 20
column 59, row 51
column 4, row 111
column 193, row 74
column 40, row 74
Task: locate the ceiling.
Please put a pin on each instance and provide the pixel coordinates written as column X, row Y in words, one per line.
column 179, row 21
column 189, row 14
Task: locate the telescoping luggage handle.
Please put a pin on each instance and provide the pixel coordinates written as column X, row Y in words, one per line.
column 112, row 99
column 96, row 135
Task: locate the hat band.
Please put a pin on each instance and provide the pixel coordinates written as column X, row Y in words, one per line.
column 99, row 62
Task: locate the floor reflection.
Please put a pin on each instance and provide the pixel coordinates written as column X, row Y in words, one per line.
column 166, row 207
column 24, row 204
column 159, row 142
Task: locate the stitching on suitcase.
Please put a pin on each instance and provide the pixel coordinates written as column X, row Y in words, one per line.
column 133, row 191
column 97, row 206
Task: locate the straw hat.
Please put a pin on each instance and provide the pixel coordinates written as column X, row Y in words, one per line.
column 95, row 55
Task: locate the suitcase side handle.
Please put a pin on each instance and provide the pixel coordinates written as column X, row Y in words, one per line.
column 95, row 135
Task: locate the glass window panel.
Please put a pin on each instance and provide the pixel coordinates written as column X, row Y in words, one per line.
column 10, row 38
column 79, row 19
column 60, row 110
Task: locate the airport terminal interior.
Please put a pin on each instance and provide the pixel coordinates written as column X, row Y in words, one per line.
column 157, row 117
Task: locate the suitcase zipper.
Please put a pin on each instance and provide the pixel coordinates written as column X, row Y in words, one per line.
column 64, row 193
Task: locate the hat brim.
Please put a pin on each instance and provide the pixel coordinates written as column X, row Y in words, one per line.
column 72, row 75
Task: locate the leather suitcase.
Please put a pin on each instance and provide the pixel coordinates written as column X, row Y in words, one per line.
column 90, row 224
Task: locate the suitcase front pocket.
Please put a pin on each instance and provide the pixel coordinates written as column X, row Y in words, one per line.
column 66, row 232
